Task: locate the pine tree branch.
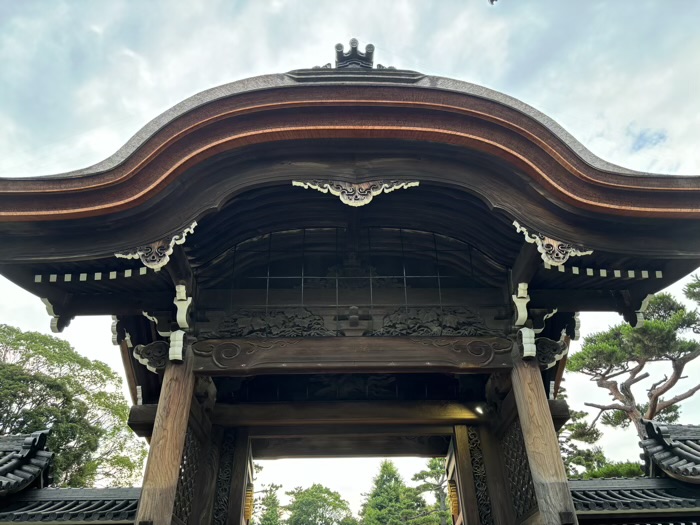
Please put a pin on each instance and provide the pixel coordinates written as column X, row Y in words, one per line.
column 613, row 406
column 677, row 399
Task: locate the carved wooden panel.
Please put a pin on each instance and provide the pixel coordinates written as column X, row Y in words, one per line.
column 223, row 478
column 188, row 477
column 522, row 489
column 244, row 356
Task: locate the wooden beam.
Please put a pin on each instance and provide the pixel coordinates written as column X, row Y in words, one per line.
column 167, row 442
column 350, row 430
column 544, row 456
column 339, row 446
column 345, row 413
column 468, row 503
column 525, row 266
column 324, row 355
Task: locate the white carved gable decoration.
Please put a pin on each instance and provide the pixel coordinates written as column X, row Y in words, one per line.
column 355, row 194
column 553, row 252
column 157, row 254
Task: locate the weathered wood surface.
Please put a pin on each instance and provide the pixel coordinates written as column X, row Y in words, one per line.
column 426, row 446
column 167, row 441
column 350, row 430
column 240, row 477
column 544, row 456
column 345, row 413
column 242, row 357
column 205, row 487
column 501, row 506
column 469, row 505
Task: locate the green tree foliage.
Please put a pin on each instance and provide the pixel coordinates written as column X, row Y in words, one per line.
column 616, row 359
column 434, row 480
column 615, row 469
column 47, row 384
column 269, row 505
column 317, row 505
column 392, row 502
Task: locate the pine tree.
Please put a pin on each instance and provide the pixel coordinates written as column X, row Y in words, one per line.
column 392, row 502
column 434, row 479
column 270, row 506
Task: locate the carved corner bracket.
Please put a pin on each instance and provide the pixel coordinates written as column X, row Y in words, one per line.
column 355, row 194
column 58, row 322
column 547, row 352
column 553, row 252
column 155, row 355
column 157, row 254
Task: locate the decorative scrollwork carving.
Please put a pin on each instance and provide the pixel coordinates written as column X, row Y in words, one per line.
column 157, row 254
column 249, row 504
column 355, row 194
column 453, row 494
column 296, row 322
column 553, row 252
column 223, row 478
column 435, row 322
column 550, row 352
column 153, row 355
column 479, row 472
column 481, row 351
column 522, row 489
column 223, row 352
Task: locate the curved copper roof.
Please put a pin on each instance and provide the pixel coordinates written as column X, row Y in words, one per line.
column 313, row 105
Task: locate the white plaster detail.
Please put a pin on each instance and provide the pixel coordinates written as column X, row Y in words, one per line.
column 577, row 326
column 53, row 278
column 603, row 272
column 115, row 336
column 157, row 254
column 139, row 395
column 553, row 252
column 642, row 309
column 355, row 194
column 182, row 303
column 162, row 333
column 98, row 276
column 520, row 300
column 55, row 318
column 37, row 278
column 177, row 343
column 127, row 273
column 67, row 278
column 544, row 319
column 659, row 274
column 528, row 343
column 83, row 277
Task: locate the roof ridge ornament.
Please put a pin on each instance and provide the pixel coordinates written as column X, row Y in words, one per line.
column 354, row 57
column 553, row 252
column 157, row 254
column 355, row 194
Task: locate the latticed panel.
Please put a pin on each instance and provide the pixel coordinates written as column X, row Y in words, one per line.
column 479, row 472
column 522, row 489
column 223, row 478
column 188, row 478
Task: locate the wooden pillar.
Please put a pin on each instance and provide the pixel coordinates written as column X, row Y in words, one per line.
column 459, row 468
column 167, row 441
column 501, row 505
column 241, row 478
column 544, row 457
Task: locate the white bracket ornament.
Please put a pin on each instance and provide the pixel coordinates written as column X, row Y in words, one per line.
column 162, row 333
column 177, row 345
column 182, row 303
column 355, row 194
column 157, row 254
column 527, row 341
column 520, row 300
column 58, row 322
column 553, row 252
column 642, row 309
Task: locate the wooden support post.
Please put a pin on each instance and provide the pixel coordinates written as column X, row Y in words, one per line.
column 168, row 439
column 544, row 457
column 468, row 504
column 240, row 478
column 501, row 506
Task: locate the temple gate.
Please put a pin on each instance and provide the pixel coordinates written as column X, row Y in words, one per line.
column 349, row 261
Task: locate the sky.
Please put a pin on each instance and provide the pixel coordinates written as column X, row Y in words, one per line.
column 79, row 78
